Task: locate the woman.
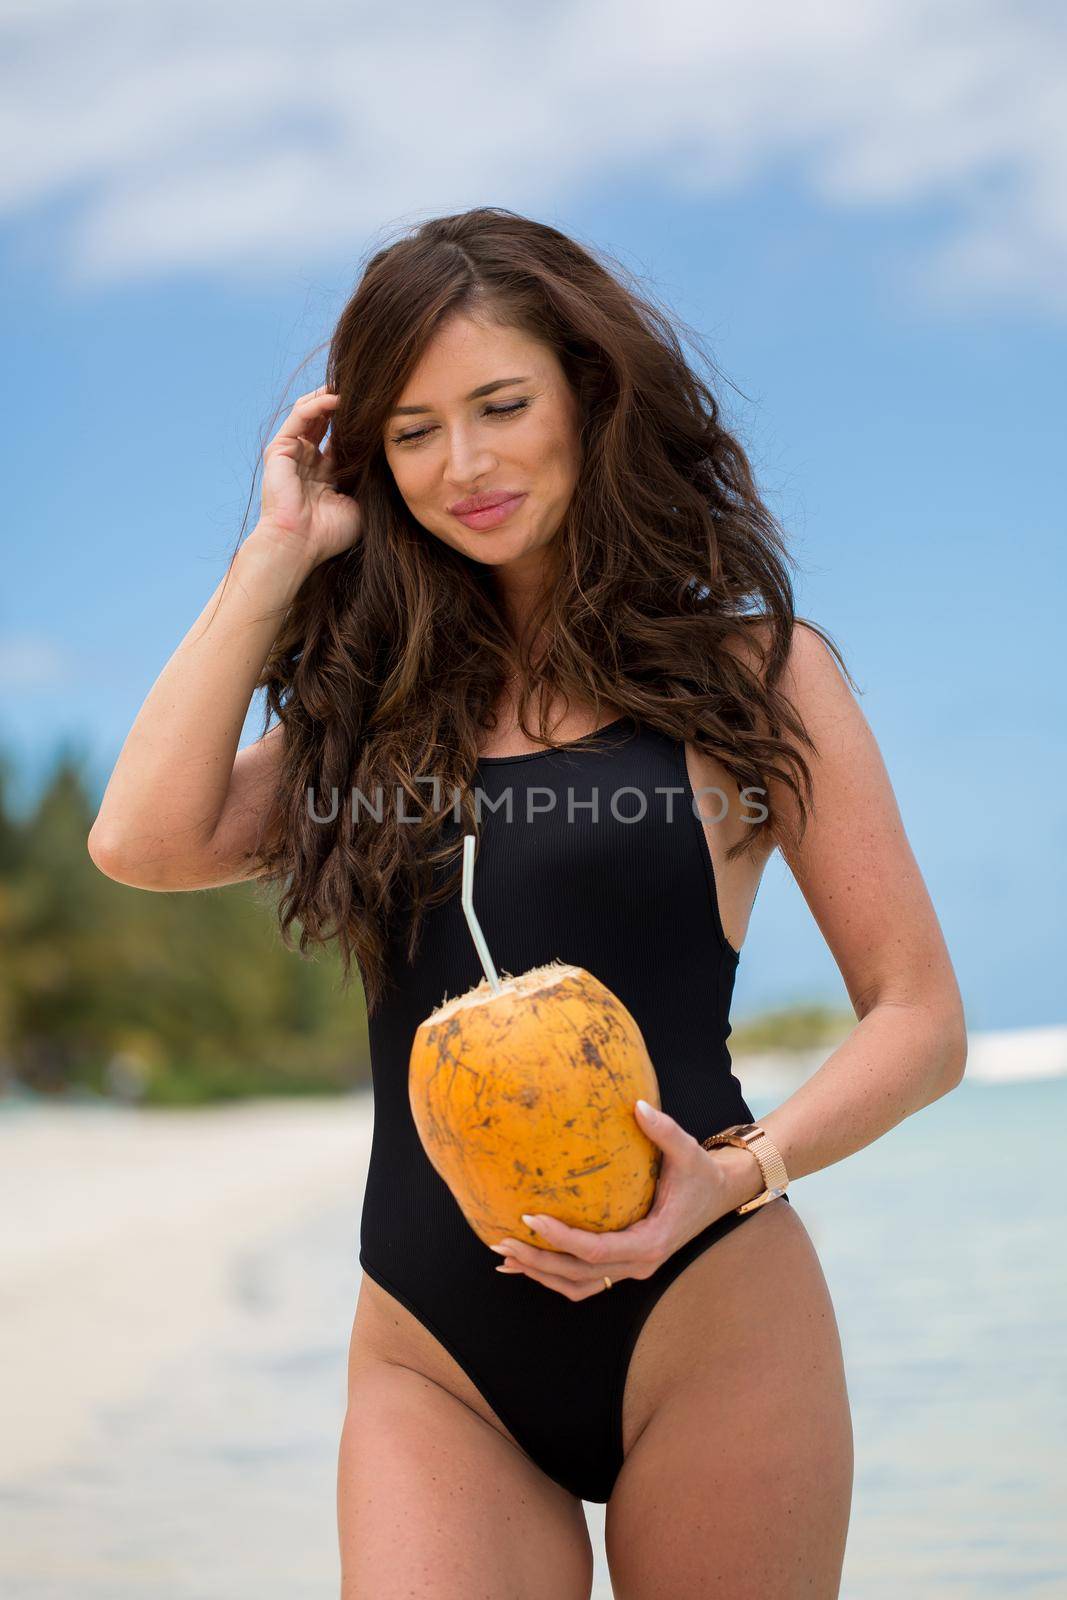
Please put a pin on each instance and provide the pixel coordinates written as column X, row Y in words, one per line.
column 532, row 558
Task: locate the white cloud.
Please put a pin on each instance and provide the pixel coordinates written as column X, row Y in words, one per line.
column 249, row 137
column 32, row 661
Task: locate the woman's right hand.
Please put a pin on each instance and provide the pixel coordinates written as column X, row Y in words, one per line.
column 302, row 511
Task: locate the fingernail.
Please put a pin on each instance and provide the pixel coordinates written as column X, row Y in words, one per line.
column 505, row 1266
column 500, row 1249
column 532, row 1222
column 647, row 1109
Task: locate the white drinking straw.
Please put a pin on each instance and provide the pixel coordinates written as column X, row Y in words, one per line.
column 467, row 899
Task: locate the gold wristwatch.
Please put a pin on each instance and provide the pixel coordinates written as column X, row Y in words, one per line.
column 750, row 1136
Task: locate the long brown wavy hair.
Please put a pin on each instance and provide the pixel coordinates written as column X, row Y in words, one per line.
column 392, row 657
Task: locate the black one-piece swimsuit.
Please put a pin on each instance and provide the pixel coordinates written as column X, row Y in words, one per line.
column 626, row 891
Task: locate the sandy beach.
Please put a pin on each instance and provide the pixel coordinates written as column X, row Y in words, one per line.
column 178, row 1288
column 120, row 1229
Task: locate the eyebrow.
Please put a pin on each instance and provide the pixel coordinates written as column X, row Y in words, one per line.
column 475, row 394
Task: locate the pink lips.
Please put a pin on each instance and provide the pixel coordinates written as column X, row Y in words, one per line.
column 488, row 511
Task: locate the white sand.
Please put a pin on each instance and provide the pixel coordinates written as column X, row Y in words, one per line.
column 117, row 1228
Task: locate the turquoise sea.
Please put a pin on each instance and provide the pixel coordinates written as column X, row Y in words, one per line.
column 211, row 1475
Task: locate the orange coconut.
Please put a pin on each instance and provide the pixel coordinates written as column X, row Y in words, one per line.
column 524, row 1102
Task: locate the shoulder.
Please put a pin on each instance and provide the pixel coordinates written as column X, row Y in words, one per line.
column 804, row 707
column 807, row 670
column 852, row 861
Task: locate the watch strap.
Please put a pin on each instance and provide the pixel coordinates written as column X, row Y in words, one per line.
column 751, row 1137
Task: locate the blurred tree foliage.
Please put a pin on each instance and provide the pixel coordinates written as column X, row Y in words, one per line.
column 792, row 1028
column 166, row 998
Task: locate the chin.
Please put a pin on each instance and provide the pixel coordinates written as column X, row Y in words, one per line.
column 497, row 544
column 491, row 554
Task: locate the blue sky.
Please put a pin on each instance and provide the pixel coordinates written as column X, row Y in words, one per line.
column 864, row 216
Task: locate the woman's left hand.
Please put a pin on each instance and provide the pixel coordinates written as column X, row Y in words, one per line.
column 692, row 1191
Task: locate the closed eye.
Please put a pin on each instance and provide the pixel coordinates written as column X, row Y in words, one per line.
column 489, row 411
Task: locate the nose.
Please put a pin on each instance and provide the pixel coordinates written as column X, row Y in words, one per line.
column 469, row 459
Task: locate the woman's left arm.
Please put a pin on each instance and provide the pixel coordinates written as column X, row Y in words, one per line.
column 856, row 870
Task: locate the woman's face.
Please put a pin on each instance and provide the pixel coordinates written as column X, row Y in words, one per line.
column 446, row 443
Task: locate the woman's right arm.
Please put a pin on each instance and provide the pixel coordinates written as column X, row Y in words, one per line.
column 184, row 808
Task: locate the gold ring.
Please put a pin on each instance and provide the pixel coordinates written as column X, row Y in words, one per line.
column 607, row 1282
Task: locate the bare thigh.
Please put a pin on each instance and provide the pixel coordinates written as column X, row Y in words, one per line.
column 737, row 1430
column 435, row 1499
